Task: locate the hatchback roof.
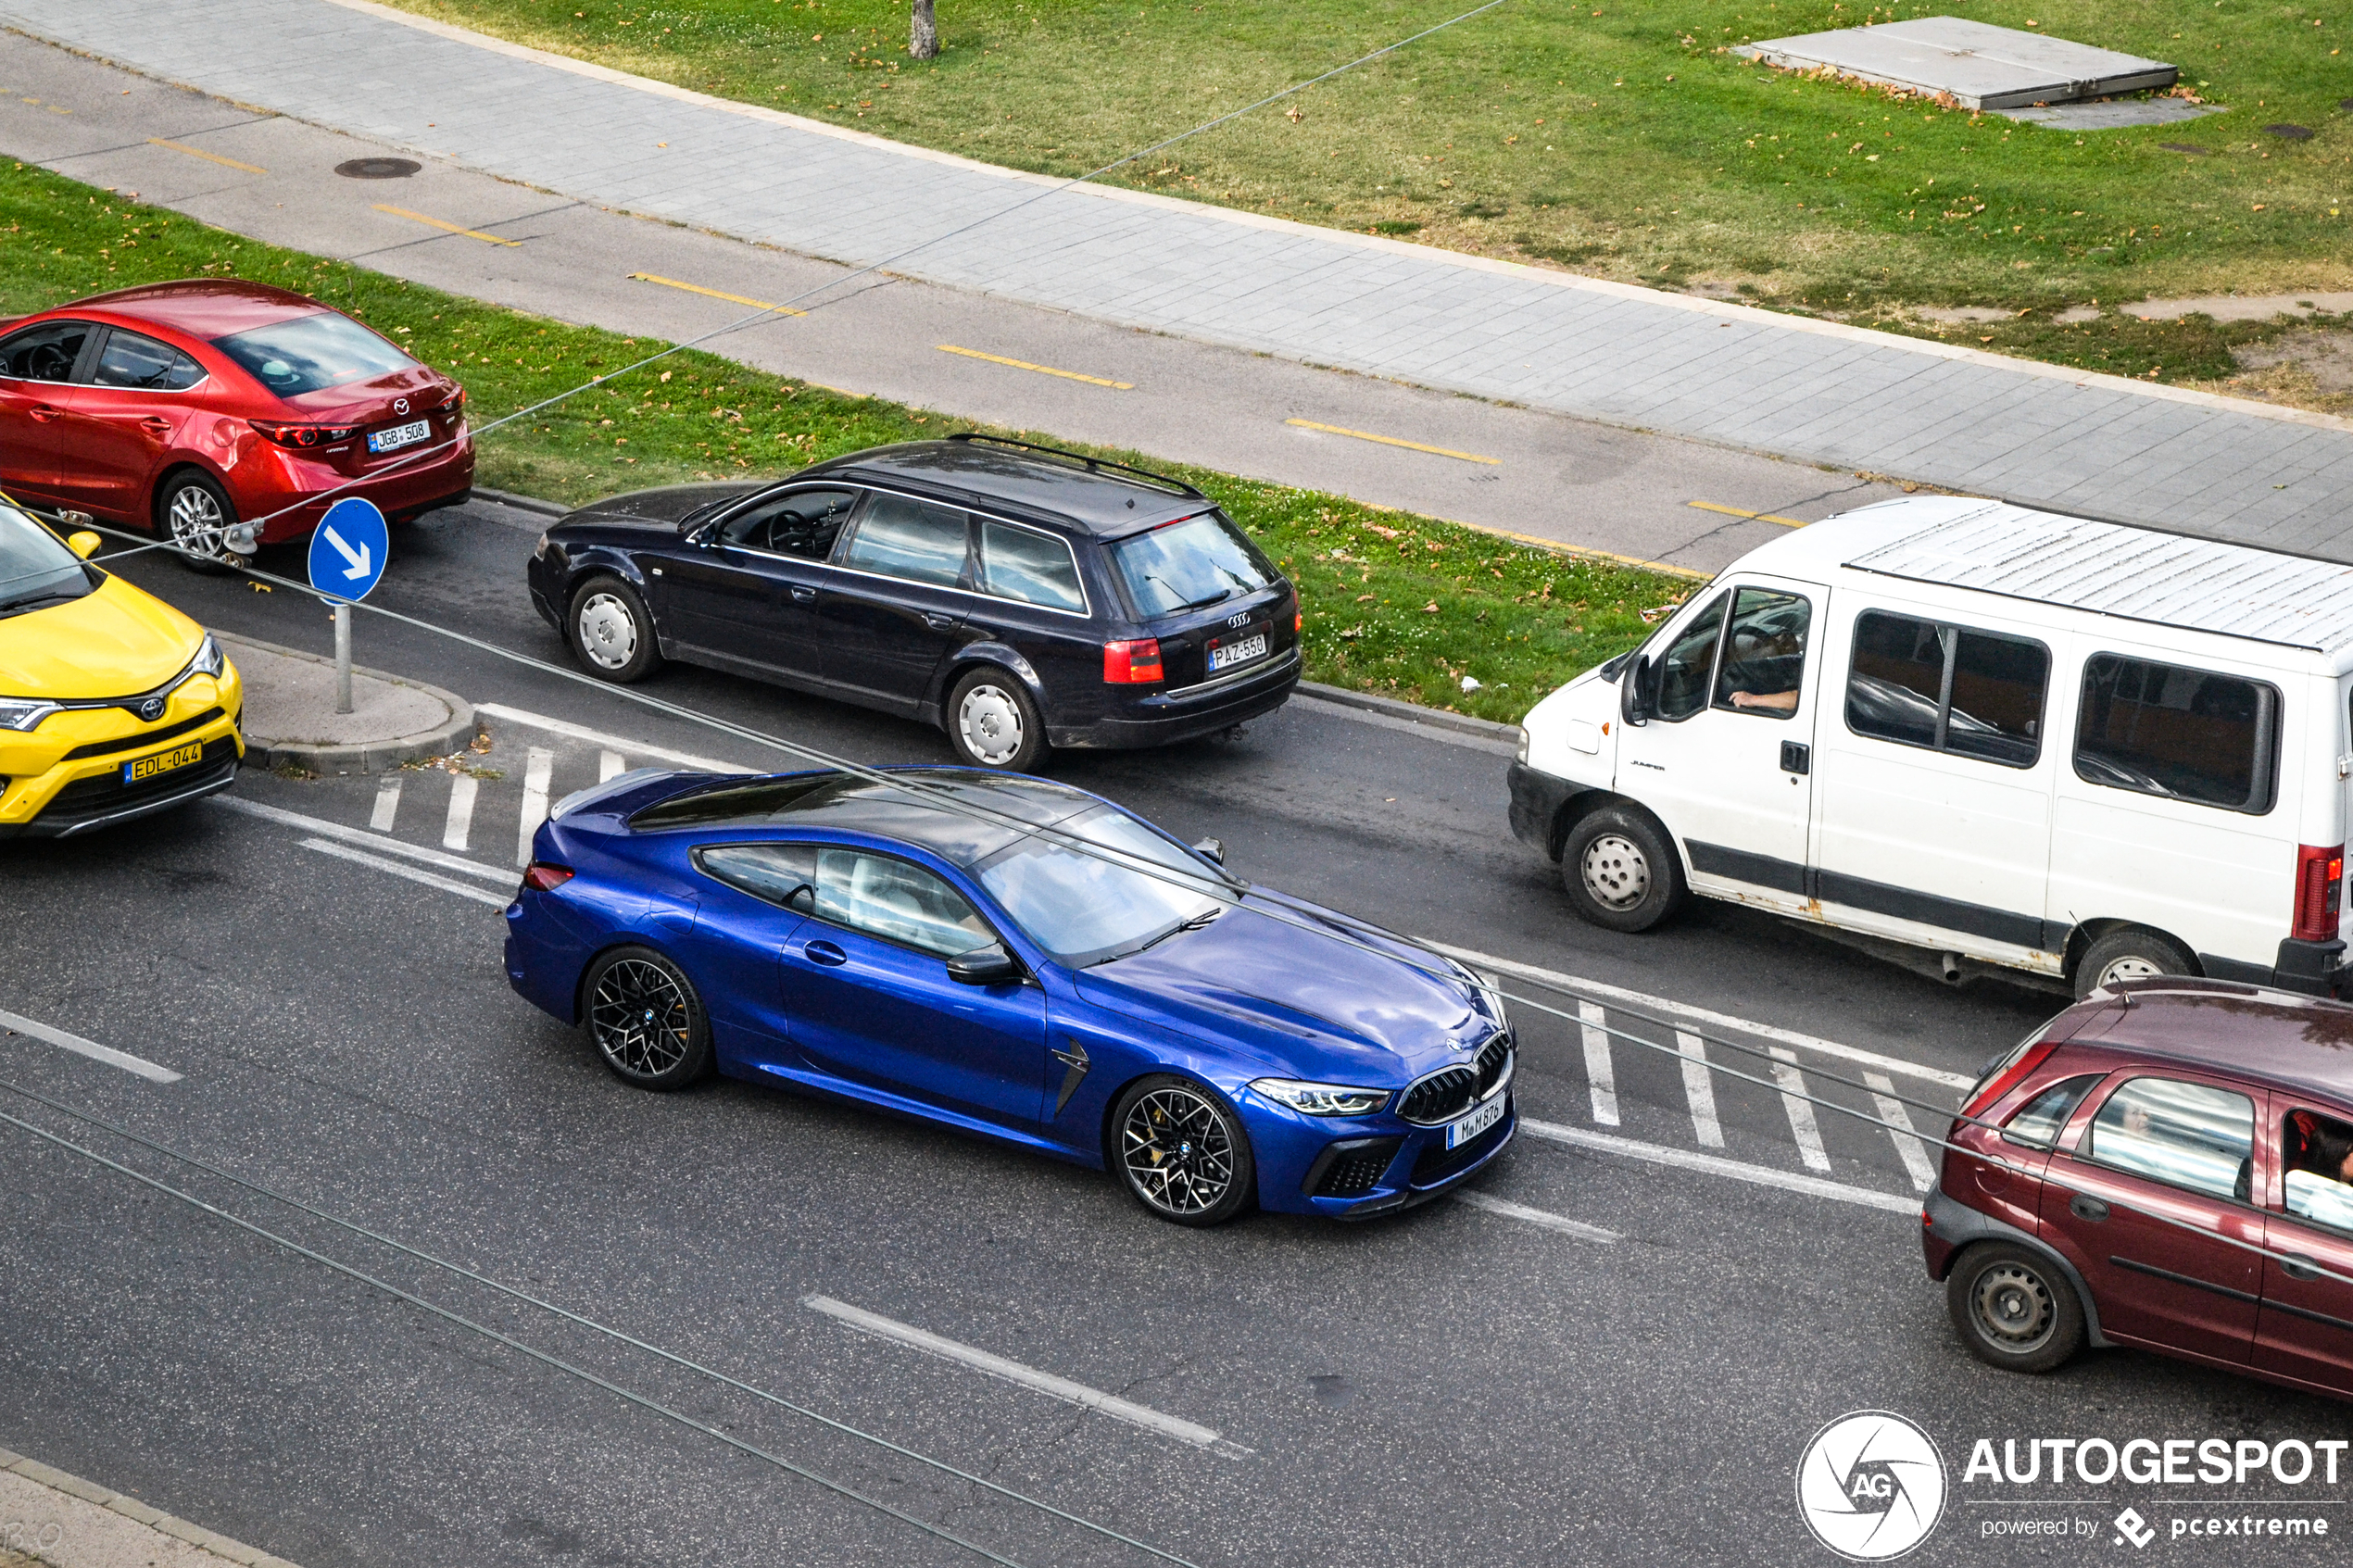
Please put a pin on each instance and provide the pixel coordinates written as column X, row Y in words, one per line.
column 950, row 828
column 202, row 308
column 2272, row 1036
column 1102, row 500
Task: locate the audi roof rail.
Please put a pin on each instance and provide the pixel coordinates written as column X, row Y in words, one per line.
column 1093, row 465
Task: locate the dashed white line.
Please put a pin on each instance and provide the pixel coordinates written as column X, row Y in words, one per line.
column 50, row 1035
column 1599, row 1072
column 322, row 828
column 1907, row 1145
column 539, row 768
column 1699, row 1087
column 414, row 873
column 1543, row 1217
column 1802, row 1125
column 1029, row 1377
column 387, row 804
column 598, row 737
column 461, row 820
column 609, row 766
column 1717, row 1165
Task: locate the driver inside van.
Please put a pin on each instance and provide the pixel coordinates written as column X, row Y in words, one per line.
column 1765, row 656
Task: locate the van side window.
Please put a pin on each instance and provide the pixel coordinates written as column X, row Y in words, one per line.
column 2184, row 1135
column 1690, row 659
column 1947, row 688
column 1763, row 653
column 2186, row 735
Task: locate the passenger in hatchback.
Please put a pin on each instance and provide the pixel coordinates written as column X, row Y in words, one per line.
column 2318, row 1153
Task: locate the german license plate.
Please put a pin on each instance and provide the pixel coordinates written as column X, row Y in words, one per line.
column 1225, row 658
column 141, row 769
column 399, row 436
column 1462, row 1132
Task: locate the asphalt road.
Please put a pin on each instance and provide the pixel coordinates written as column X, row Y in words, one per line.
column 1463, row 1382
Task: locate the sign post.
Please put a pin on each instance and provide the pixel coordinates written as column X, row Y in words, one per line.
column 347, row 554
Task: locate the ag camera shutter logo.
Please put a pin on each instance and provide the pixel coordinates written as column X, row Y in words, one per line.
column 1870, row 1486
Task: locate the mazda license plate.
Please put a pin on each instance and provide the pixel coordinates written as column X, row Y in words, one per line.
column 1231, row 654
column 399, row 436
column 141, row 769
column 1462, row 1132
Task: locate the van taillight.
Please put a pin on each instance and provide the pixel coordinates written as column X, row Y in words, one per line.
column 546, row 876
column 2006, row 1080
column 2320, row 883
column 1132, row 662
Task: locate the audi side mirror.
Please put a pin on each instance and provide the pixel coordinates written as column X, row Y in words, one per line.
column 986, row 966
column 1212, row 850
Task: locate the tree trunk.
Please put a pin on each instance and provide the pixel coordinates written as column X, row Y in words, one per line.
column 923, row 32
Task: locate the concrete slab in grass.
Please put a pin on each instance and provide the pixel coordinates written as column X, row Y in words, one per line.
column 1981, row 67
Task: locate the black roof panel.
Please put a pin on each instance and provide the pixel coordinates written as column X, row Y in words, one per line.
column 1103, row 502
column 848, row 803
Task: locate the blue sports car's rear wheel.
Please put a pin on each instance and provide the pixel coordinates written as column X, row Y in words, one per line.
column 1181, row 1153
column 647, row 1019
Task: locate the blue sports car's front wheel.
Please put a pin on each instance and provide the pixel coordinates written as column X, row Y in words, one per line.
column 1181, row 1153
column 647, row 1019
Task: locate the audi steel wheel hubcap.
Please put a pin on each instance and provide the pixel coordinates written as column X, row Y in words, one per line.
column 607, row 633
column 989, row 721
column 195, row 522
column 1177, row 1152
column 2015, row 1308
column 1615, row 872
column 640, row 1018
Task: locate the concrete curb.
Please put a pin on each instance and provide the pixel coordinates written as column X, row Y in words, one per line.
column 1410, row 713
column 374, row 757
column 524, row 503
column 139, row 1513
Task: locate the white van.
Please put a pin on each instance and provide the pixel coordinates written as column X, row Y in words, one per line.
column 2085, row 750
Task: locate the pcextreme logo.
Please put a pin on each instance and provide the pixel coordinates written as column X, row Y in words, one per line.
column 1870, row 1486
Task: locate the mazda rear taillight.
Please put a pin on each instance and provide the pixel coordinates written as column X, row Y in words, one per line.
column 299, row 437
column 546, row 876
column 1132, row 662
column 2005, row 1078
column 2320, row 892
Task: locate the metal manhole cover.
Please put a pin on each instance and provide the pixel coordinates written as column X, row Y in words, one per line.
column 2192, row 148
column 378, row 168
column 2291, row 133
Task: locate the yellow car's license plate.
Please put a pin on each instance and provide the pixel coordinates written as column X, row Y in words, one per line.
column 140, row 769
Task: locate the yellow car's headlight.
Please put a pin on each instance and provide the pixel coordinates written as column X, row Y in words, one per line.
column 24, row 712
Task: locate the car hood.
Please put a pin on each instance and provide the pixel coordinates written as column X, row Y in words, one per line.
column 114, row 641
column 1317, row 996
column 662, row 505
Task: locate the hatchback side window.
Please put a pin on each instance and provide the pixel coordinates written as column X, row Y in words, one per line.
column 898, row 902
column 774, row 874
column 128, row 360
column 2190, row 1135
column 1763, row 653
column 2187, row 735
column 1038, row 568
column 803, row 523
column 2316, row 1152
column 2041, row 1119
column 913, row 540
column 46, row 353
column 1684, row 669
column 1947, row 688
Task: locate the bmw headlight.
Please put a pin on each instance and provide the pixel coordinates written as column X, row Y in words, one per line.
column 210, row 660
column 24, row 712
column 1321, row 1099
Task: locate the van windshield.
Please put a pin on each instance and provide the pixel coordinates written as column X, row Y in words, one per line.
column 1191, row 564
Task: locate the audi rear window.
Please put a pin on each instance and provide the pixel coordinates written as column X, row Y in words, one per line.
column 310, row 353
column 1191, row 564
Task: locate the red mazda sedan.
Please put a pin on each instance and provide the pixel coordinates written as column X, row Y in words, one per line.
column 228, row 414
column 2168, row 1164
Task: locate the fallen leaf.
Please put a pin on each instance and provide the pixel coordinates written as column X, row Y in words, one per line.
column 1431, row 609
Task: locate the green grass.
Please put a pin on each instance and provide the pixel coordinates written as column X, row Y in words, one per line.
column 1618, row 139
column 1396, row 604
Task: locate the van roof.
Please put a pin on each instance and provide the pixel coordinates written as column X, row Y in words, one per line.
column 2104, row 568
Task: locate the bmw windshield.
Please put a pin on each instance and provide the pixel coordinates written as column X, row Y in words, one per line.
column 1089, row 908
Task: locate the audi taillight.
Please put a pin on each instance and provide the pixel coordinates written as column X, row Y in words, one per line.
column 2005, row 1077
column 1132, row 662
column 2320, row 892
column 298, row 436
column 546, row 876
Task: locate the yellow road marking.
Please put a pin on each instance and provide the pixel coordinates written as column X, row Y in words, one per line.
column 209, row 158
column 715, row 293
column 452, row 228
column 1041, row 369
column 1393, row 441
column 1759, row 517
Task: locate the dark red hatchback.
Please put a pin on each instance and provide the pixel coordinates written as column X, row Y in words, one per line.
column 2168, row 1164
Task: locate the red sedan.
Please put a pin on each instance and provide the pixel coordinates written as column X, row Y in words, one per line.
column 228, row 414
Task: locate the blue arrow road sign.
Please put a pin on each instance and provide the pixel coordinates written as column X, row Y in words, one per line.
column 349, row 550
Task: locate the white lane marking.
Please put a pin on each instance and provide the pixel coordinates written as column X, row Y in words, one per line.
column 1802, row 1125
column 414, row 873
column 598, row 737
column 37, row 1030
column 1717, row 1165
column 1907, row 1145
column 1598, row 1071
column 1545, row 1218
column 1029, row 1377
column 535, row 775
column 609, row 766
column 1699, row 1087
column 387, row 804
column 1702, row 1015
column 462, row 811
column 325, row 828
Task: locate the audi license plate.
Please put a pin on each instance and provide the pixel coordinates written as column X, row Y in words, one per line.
column 1225, row 658
column 141, row 769
column 399, row 436
column 1462, row 1132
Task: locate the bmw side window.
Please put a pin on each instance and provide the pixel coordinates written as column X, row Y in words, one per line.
column 2316, row 1157
column 46, row 353
column 1687, row 664
column 1763, row 653
column 2190, row 1135
column 2041, row 1120
column 804, row 523
column 898, row 902
column 1035, row 568
column 911, row 540
column 1947, row 688
column 141, row 363
column 774, row 874
column 2186, row 735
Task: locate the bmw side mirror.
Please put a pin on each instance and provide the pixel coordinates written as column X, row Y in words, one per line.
column 986, row 966
column 1212, row 850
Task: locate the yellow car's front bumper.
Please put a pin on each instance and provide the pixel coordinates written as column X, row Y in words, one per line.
column 94, row 765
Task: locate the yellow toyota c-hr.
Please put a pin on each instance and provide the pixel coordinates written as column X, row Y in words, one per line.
column 112, row 703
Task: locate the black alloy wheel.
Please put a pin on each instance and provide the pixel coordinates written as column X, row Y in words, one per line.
column 1181, row 1154
column 647, row 1019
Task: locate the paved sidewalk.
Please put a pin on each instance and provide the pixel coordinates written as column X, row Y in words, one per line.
column 1715, row 373
column 69, row 1523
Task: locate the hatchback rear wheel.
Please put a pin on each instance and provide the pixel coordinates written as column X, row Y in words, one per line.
column 1181, row 1153
column 2014, row 1307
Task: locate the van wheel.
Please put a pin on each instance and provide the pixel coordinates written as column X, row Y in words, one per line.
column 2130, row 952
column 2014, row 1307
column 1621, row 870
